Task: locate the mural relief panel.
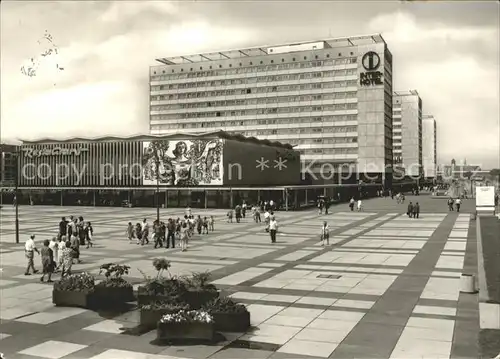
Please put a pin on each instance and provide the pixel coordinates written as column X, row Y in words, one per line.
column 183, row 163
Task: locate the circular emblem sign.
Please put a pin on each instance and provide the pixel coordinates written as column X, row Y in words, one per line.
column 370, row 61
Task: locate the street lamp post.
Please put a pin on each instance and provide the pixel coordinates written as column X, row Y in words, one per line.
column 16, row 195
column 157, row 189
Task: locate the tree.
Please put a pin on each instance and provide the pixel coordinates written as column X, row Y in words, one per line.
column 495, row 173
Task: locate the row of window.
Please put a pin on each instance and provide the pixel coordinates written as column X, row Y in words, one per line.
column 259, row 111
column 261, row 79
column 257, row 101
column 256, row 90
column 251, row 68
column 267, row 131
column 265, row 79
column 304, row 131
column 329, row 151
column 309, row 141
column 281, row 121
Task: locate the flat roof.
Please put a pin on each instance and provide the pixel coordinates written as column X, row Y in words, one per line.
column 262, row 50
column 406, row 93
column 194, row 189
column 219, row 134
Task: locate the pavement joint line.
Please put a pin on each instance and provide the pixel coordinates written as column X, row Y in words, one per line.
column 409, row 303
column 315, row 254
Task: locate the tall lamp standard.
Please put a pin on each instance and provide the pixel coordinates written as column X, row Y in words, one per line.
column 16, row 192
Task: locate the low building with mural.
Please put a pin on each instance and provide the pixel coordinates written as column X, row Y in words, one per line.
column 213, row 169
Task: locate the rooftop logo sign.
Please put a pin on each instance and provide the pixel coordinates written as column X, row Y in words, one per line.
column 371, row 63
column 56, row 151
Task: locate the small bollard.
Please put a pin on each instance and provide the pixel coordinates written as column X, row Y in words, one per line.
column 467, row 283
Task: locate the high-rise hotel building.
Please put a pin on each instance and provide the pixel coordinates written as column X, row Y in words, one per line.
column 407, row 133
column 429, row 146
column 332, row 99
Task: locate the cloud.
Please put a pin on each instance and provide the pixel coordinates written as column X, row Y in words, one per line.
column 77, row 111
column 458, row 86
column 104, row 87
column 118, row 10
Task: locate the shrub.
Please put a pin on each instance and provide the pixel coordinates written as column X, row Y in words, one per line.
column 162, row 265
column 81, row 282
column 199, row 282
column 224, row 305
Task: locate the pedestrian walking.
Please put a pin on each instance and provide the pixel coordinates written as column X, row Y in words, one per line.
column 458, row 203
column 351, row 204
column 29, row 250
column 325, row 234
column 273, row 228
column 409, row 211
column 48, row 264
column 212, row 223
column 360, row 205
column 416, row 210
column 450, row 204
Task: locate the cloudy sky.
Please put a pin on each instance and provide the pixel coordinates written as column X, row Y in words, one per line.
column 449, row 52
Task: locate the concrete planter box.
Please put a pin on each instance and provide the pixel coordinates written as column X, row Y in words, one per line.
column 73, row 299
column 180, row 332
column 231, row 322
column 111, row 297
column 197, row 299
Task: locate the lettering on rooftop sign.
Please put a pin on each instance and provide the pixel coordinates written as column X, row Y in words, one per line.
column 56, row 151
column 371, row 63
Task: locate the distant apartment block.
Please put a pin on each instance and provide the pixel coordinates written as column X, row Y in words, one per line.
column 407, row 132
column 331, row 99
column 429, row 146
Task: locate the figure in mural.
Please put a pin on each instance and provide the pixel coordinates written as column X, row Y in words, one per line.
column 183, row 163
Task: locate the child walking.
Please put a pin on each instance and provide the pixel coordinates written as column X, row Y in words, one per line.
column 212, row 223
column 325, row 234
column 184, row 236
column 89, row 232
column 205, row 225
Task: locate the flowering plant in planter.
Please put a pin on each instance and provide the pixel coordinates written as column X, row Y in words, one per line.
column 224, row 305
column 183, row 316
column 151, row 313
column 81, row 282
column 166, row 306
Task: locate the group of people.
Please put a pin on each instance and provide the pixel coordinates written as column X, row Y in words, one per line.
column 174, row 230
column 457, row 203
column 358, row 204
column 60, row 252
column 413, row 210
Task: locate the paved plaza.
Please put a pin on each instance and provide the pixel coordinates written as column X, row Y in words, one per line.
column 386, row 287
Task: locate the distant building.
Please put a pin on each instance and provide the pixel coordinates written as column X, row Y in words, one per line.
column 407, row 132
column 8, row 165
column 429, row 146
column 460, row 171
